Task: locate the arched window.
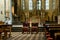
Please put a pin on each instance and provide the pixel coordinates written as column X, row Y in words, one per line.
column 5, row 8
column 39, row 5
column 1, row 5
column 47, row 4
column 30, row 5
column 23, row 4
column 54, row 4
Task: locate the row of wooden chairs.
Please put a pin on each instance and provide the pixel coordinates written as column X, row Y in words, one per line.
column 26, row 27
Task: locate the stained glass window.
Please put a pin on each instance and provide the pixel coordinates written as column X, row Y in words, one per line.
column 47, row 4
column 30, row 5
column 38, row 4
column 23, row 4
column 54, row 4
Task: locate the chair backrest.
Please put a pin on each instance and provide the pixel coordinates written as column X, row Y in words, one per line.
column 26, row 24
column 35, row 24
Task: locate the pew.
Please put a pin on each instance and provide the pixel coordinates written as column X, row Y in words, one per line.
column 52, row 29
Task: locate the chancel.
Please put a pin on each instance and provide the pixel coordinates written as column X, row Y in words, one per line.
column 30, row 20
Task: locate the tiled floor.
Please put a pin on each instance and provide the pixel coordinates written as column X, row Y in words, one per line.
column 25, row 36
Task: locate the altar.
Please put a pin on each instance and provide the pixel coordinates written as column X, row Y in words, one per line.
column 34, row 19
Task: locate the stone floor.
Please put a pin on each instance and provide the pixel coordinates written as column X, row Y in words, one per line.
column 25, row 36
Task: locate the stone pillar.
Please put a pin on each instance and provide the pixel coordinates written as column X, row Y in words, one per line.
column 26, row 5
column 50, row 10
column 18, row 7
column 43, row 4
column 15, row 6
column 43, row 10
column 19, row 10
column 5, row 9
column 26, row 11
column 10, row 14
column 56, row 12
column 56, row 3
column 34, row 6
column 59, row 6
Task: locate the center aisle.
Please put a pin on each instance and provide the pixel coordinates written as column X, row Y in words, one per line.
column 25, row 36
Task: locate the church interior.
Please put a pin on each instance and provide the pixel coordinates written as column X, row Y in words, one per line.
column 29, row 19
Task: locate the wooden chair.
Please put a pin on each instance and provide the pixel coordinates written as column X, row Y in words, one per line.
column 7, row 28
column 34, row 27
column 1, row 29
column 26, row 28
column 1, row 33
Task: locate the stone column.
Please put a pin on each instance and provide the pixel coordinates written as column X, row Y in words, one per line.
column 43, row 10
column 10, row 8
column 26, row 5
column 43, row 4
column 56, row 9
column 26, row 11
column 15, row 6
column 34, row 6
column 5, row 9
column 50, row 10
column 59, row 6
column 56, row 3
column 18, row 7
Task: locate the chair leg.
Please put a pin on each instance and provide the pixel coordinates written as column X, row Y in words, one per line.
column 0, row 37
column 9, row 35
column 37, row 30
column 28, row 32
column 22, row 32
column 5, row 35
column 31, row 31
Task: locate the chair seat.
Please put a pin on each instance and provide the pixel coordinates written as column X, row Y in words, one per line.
column 49, row 38
column 48, row 35
column 34, row 27
column 25, row 27
column 47, row 32
column 7, row 29
column 1, row 31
